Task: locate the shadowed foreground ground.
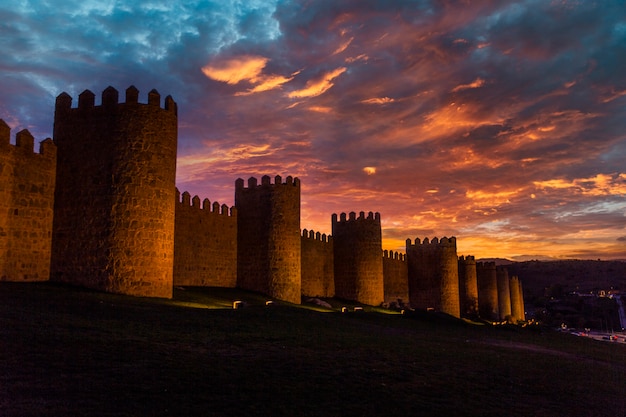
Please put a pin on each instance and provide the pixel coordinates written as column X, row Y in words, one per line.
column 69, row 352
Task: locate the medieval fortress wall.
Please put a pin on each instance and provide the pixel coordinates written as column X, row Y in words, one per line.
column 395, row 277
column 98, row 207
column 26, row 206
column 205, row 243
column 317, row 271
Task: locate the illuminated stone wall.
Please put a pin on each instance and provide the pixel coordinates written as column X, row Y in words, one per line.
column 318, row 277
column 115, row 193
column 433, row 275
column 517, row 299
column 468, row 287
column 205, row 243
column 26, row 206
column 504, row 292
column 396, row 279
column 487, row 290
column 357, row 246
column 268, row 237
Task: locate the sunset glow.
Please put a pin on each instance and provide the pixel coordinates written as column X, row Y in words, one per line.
column 501, row 123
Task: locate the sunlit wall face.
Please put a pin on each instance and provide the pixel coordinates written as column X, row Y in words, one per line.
column 500, row 123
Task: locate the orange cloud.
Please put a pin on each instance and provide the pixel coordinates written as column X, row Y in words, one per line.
column 319, row 86
column 247, row 68
column 477, row 83
column 233, row 71
column 378, row 100
column 600, row 185
column 343, row 46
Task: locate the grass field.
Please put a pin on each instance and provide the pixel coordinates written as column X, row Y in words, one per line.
column 73, row 352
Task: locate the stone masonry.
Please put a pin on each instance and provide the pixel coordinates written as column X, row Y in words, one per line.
column 98, row 207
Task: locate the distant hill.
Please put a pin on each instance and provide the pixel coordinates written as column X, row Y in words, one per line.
column 570, row 275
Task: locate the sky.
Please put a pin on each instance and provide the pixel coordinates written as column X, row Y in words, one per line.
column 501, row 123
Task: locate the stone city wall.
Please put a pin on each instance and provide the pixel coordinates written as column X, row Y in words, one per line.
column 396, row 277
column 205, row 243
column 27, row 182
column 318, row 278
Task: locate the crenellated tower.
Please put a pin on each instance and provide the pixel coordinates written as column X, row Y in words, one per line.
column 115, row 193
column 26, row 206
column 468, row 287
column 358, row 257
column 433, row 275
column 268, row 237
column 487, row 290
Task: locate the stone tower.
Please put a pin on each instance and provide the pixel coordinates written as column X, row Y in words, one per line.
column 487, row 290
column 115, row 193
column 504, row 292
column 358, row 258
column 268, row 237
column 468, row 287
column 26, row 204
column 433, row 275
column 517, row 299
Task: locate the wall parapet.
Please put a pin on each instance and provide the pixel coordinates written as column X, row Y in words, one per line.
column 25, row 142
column 444, row 241
column 185, row 200
column 393, row 255
column 317, row 236
column 266, row 180
column 351, row 217
column 110, row 99
column 469, row 259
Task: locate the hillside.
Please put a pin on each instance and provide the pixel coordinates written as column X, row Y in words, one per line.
column 66, row 351
column 570, row 275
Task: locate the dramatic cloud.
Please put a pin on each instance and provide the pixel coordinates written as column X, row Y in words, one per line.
column 499, row 122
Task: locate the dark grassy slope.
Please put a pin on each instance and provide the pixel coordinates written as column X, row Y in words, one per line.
column 67, row 351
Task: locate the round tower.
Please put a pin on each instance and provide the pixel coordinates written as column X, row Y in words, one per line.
column 115, row 193
column 357, row 252
column 268, row 237
column 433, row 275
column 504, row 292
column 468, row 287
column 487, row 290
column 517, row 299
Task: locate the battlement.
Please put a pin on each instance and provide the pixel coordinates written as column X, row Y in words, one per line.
column 185, row 200
column 443, row 242
column 343, row 218
column 397, row 256
column 110, row 99
column 469, row 259
column 266, row 180
column 317, row 236
column 25, row 142
column 486, row 265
